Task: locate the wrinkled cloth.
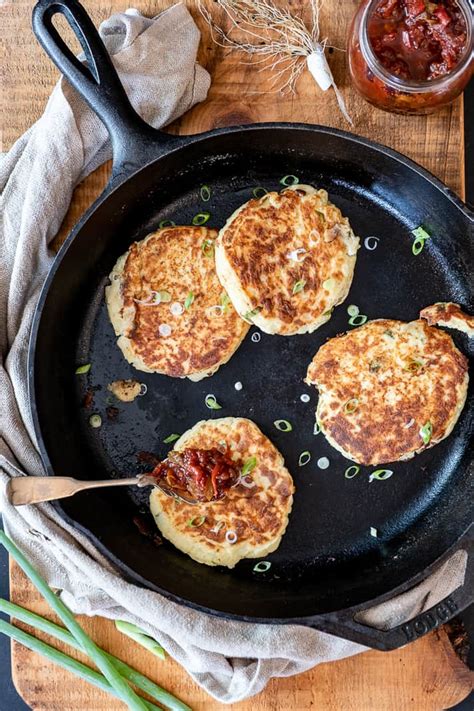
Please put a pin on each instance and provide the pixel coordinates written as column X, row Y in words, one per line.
column 231, row 660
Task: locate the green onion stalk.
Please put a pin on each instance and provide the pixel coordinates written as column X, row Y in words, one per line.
column 116, row 681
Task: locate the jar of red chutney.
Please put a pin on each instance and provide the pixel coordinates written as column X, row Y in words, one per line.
column 411, row 56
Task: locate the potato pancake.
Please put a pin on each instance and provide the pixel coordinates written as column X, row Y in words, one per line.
column 251, row 520
column 287, row 259
column 168, row 308
column 388, row 389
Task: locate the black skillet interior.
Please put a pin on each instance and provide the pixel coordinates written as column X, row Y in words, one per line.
column 328, row 560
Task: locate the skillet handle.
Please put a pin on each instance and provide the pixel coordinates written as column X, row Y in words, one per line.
column 98, row 83
column 346, row 625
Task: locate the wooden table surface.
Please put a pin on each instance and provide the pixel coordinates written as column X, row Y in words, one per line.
column 425, row 675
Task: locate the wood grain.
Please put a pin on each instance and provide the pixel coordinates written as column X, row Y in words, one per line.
column 426, row 675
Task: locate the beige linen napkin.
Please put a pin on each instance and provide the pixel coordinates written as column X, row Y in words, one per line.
column 156, row 60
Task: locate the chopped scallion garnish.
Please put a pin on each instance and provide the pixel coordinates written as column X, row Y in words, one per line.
column 426, row 431
column 420, row 238
column 95, row 421
column 316, row 428
column 188, row 301
column 83, row 369
column 351, row 406
column 358, row 320
column 171, row 438
column 351, row 472
column 373, row 532
column 224, row 301
column 207, row 248
column 166, row 223
column 352, row 310
column 304, row 458
column 249, row 465
column 205, row 193
column 262, row 566
column 259, row 192
column 231, row 537
column 299, row 286
column 196, row 521
column 250, row 314
column 212, row 403
column 165, row 297
column 289, row 180
column 283, row 425
column 381, row 474
column 201, row 218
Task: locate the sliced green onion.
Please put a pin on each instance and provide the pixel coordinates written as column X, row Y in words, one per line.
column 316, row 428
column 72, row 665
column 83, row 369
column 358, row 320
column 201, row 218
column 249, row 465
column 413, row 366
column 329, row 284
column 389, row 333
column 328, row 313
column 188, row 301
column 262, row 567
column 373, row 532
column 217, row 527
column 212, row 403
column 196, row 521
column 141, row 637
column 205, row 193
column 351, row 472
column 288, row 180
column 353, row 310
column 283, row 425
column 119, row 685
column 374, row 366
column 321, row 215
column 224, row 302
column 259, row 192
column 207, row 248
column 95, row 421
column 420, row 233
column 299, row 286
column 171, row 438
column 165, row 296
column 133, row 676
column 381, row 474
column 166, row 223
column 426, row 431
column 420, row 238
column 250, row 314
column 304, row 458
column 351, row 406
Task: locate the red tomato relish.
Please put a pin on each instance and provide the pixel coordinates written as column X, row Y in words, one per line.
column 417, row 39
column 203, row 474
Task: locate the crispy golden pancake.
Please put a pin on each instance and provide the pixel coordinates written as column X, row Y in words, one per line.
column 286, row 259
column 388, row 389
column 449, row 315
column 167, row 307
column 256, row 515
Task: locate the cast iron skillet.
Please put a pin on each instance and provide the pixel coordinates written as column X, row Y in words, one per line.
column 328, row 566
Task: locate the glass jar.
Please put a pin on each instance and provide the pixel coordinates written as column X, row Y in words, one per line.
column 385, row 89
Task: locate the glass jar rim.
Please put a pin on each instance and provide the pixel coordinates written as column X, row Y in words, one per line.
column 414, row 86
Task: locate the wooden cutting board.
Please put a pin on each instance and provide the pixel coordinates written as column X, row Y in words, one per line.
column 426, row 675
